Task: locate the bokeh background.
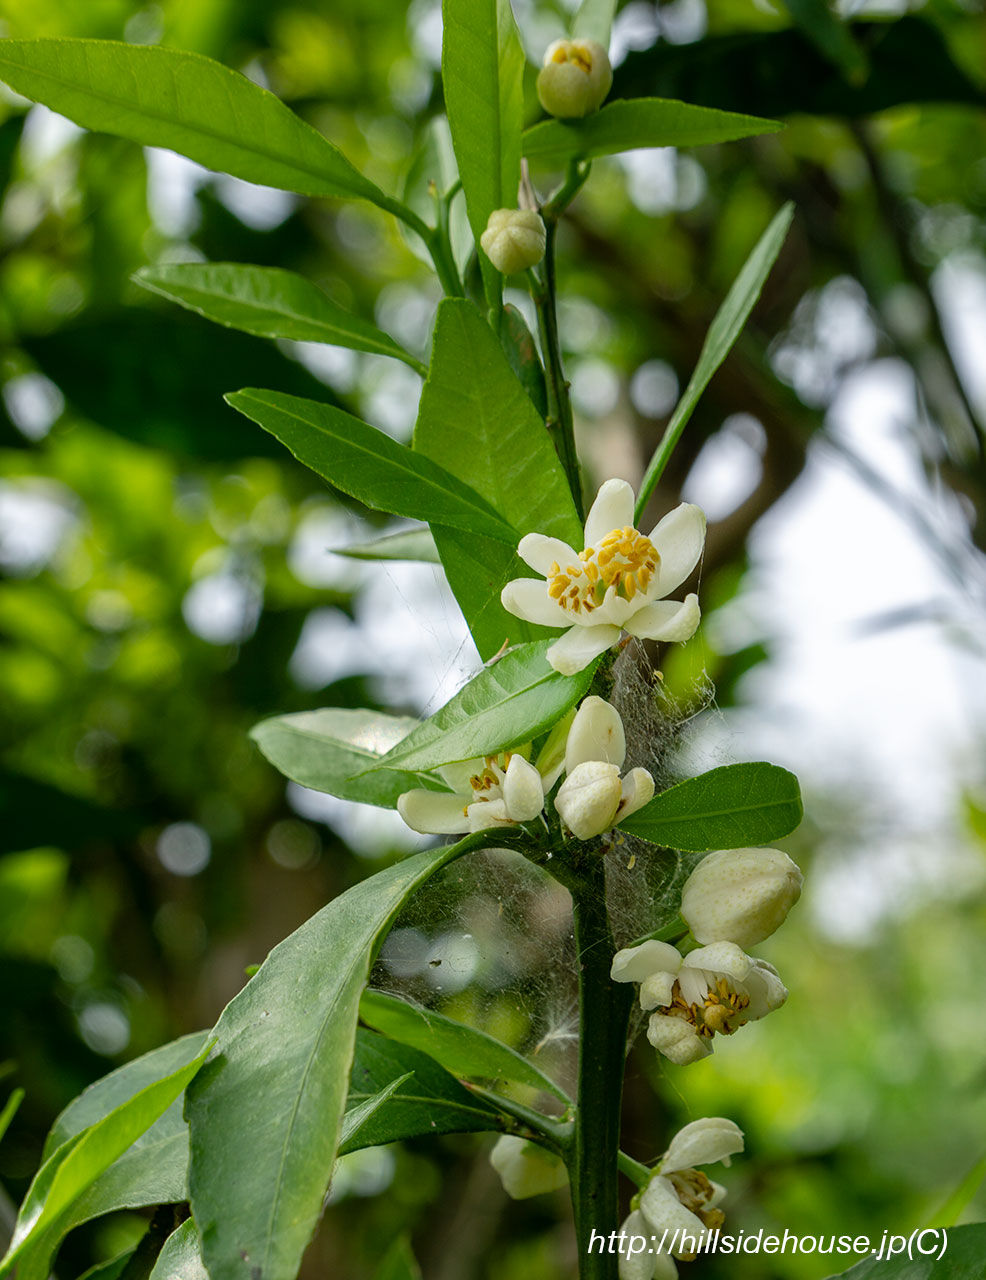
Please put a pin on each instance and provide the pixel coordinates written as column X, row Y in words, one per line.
column 170, row 577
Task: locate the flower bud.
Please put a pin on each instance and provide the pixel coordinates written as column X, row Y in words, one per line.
column 514, row 239
column 740, row 895
column 589, row 797
column 596, row 734
column 526, row 1169
column 575, row 78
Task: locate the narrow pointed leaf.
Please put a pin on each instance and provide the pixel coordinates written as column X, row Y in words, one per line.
column 425, row 1099
column 508, row 703
column 627, row 124
column 10, row 1110
column 180, row 1258
column 398, row 1263
column 368, row 465
column 76, row 1165
column 415, row 544
column 268, row 302
column 462, row 1050
column 162, row 97
column 359, row 1114
column 734, row 807
column 276, row 1086
column 330, row 750
column 482, row 77
column 505, row 454
column 723, row 332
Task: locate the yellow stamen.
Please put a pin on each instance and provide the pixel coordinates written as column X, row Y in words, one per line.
column 624, row 559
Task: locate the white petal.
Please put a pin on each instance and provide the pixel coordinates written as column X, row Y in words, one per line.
column 634, row 1244
column 666, row 620
column 522, row 790
column 679, row 539
column 615, row 609
column 663, row 1210
column 596, row 734
column 677, row 1039
column 657, row 990
column 612, row 509
column 767, row 992
column 578, row 646
column 703, row 1142
column 637, row 790
column 588, row 798
column 434, row 812
column 634, row 964
column 528, row 598
column 721, row 957
column 541, row 553
column 488, row 813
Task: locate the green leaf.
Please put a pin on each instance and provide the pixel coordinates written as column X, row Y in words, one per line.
column 964, row 1250
column 367, row 464
column 626, row 125
column 162, row 97
column 594, row 20
column 733, row 807
column 330, row 750
column 10, row 1110
column 398, row 1263
column 507, row 703
column 111, row 1270
column 482, row 78
column 72, row 1170
column 357, row 1116
column 462, row 1050
column 425, row 1099
column 268, row 302
column 505, row 455
column 97, row 1101
column 723, row 332
column 180, row 1258
column 276, row 1085
column 414, row 544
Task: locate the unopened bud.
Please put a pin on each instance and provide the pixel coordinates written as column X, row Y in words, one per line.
column 514, row 239
column 526, row 1169
column 740, row 895
column 589, row 797
column 575, row 78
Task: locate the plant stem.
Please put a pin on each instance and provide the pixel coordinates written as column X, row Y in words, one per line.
column 437, row 243
column 560, row 421
column 604, row 1012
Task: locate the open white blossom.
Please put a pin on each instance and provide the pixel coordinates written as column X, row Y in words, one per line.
column 594, row 797
column 679, row 1198
column 498, row 791
column 713, row 989
column 526, row 1169
column 616, row 583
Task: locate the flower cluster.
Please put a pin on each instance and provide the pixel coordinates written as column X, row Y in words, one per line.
column 506, row 789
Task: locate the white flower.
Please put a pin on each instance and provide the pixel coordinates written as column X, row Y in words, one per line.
column 617, row 582
column 679, row 1198
column 717, row 988
column 575, row 78
column 514, row 239
column 593, row 796
column 740, row 895
column 526, row 1169
column 498, row 791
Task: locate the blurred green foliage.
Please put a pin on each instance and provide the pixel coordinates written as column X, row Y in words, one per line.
column 159, row 571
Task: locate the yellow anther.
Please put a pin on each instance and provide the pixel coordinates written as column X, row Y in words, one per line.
column 624, row 559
